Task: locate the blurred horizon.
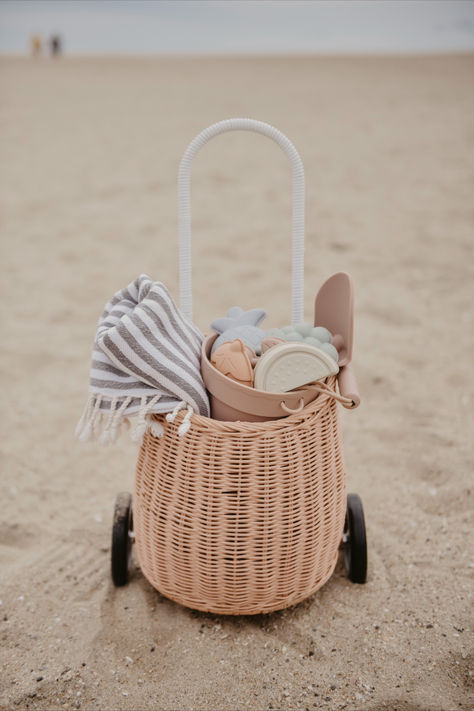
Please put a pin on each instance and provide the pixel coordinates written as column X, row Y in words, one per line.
column 243, row 27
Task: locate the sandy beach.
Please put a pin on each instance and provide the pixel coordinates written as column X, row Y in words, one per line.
column 89, row 157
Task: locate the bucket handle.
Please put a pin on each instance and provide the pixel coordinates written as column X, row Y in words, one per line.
column 184, row 210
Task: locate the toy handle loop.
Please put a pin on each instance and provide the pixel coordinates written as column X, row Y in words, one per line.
column 184, row 209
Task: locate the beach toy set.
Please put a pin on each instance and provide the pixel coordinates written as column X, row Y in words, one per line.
column 239, row 503
column 288, row 366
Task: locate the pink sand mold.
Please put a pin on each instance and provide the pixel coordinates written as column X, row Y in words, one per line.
column 232, row 359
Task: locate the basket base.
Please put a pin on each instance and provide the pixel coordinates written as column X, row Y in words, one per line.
column 235, row 609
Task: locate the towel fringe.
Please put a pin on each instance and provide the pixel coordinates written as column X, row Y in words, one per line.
column 118, row 420
column 85, row 417
column 171, row 416
column 155, row 427
column 107, row 425
column 186, row 423
column 142, row 422
column 185, row 426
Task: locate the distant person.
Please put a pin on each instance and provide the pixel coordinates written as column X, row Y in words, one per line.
column 55, row 45
column 36, row 45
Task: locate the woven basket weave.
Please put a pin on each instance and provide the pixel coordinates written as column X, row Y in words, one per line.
column 242, row 518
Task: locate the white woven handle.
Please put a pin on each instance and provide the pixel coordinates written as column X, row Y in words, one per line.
column 184, row 209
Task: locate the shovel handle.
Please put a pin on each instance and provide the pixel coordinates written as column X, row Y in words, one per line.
column 348, row 384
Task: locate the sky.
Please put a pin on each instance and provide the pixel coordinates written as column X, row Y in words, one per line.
column 241, row 26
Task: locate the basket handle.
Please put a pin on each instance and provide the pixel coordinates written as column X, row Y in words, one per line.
column 184, row 210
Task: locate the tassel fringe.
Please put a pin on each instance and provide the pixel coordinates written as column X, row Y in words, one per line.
column 107, row 425
column 186, row 423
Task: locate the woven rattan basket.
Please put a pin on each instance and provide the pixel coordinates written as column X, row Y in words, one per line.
column 242, row 517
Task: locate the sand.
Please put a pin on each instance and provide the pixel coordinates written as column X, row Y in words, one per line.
column 89, row 157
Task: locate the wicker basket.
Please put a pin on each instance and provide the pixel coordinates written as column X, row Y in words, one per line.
column 242, row 517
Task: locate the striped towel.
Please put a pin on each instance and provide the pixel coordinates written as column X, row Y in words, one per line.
column 146, row 359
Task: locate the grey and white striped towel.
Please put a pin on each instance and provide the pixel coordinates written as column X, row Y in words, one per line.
column 146, row 359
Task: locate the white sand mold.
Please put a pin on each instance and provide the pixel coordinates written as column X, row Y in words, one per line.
column 290, row 365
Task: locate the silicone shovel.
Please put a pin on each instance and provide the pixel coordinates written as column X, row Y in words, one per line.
column 334, row 309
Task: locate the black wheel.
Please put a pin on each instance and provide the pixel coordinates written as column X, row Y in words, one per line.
column 354, row 540
column 122, row 537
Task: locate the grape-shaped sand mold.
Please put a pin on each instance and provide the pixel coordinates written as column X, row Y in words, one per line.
column 317, row 336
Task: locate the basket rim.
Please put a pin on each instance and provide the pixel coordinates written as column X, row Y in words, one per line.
column 314, row 409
